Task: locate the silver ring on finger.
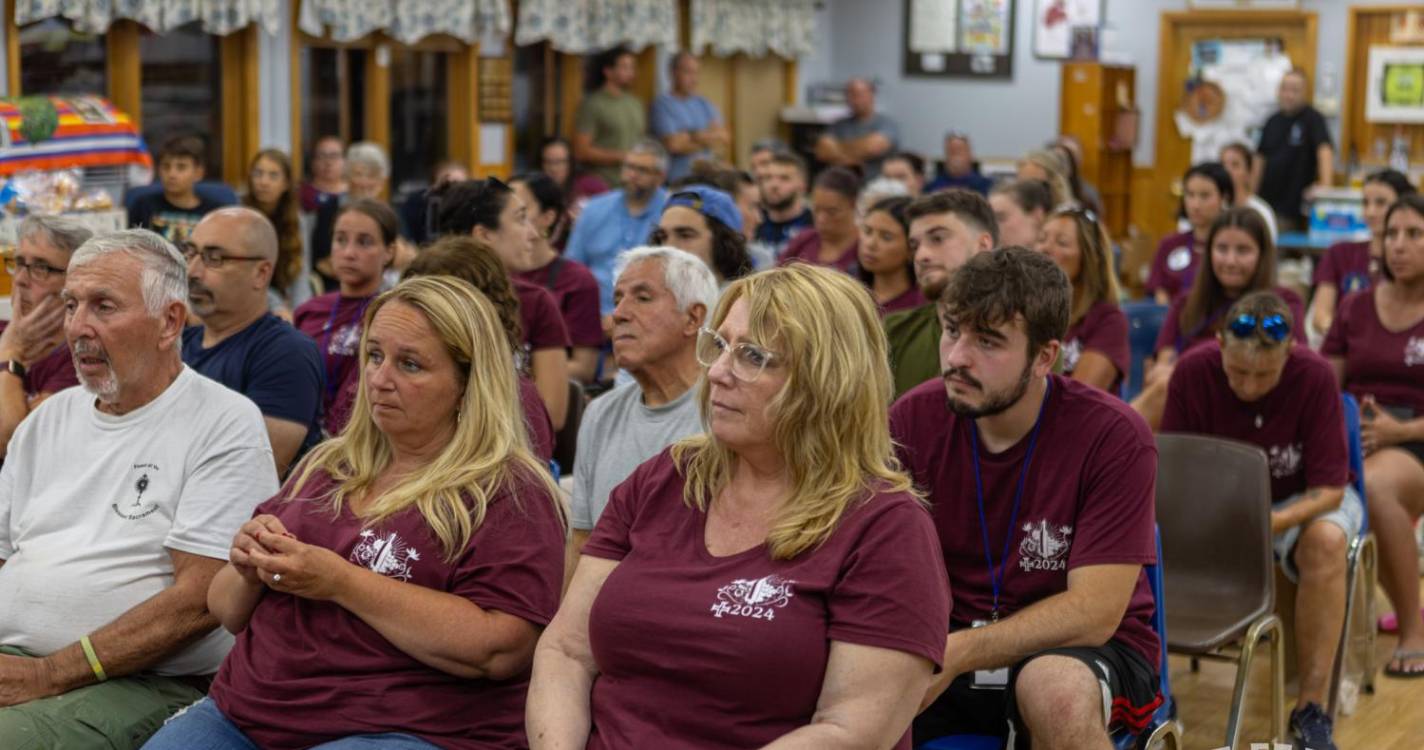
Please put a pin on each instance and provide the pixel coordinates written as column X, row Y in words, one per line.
column 276, row 578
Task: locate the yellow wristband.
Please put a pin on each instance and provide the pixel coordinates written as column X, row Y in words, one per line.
column 93, row 659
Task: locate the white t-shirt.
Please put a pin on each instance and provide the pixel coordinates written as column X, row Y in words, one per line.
column 90, row 504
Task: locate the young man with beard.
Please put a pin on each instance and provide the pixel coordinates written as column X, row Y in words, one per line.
column 783, row 197
column 1042, row 492
column 946, row 229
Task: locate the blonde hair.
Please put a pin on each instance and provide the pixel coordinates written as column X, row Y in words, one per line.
column 831, row 423
column 489, row 451
column 1097, row 279
column 1053, row 164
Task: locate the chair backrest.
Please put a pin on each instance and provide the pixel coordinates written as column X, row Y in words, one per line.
column 1144, row 320
column 1214, row 513
column 1357, row 452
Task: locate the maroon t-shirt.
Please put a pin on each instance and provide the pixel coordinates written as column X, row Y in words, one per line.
column 575, row 293
column 1088, row 500
column 1349, row 267
column 909, row 300
column 335, row 323
column 1386, row 364
column 1171, row 336
column 1103, row 329
column 305, row 672
column 1175, row 265
column 1299, row 424
column 806, row 247
column 730, row 652
column 539, row 315
column 51, row 373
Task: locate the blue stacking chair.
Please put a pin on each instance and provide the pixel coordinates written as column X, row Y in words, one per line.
column 1144, row 320
column 1362, row 564
column 1163, row 727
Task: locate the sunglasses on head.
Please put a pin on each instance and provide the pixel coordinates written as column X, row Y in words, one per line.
column 1273, row 327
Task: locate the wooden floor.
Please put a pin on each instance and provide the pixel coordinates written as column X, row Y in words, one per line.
column 1391, row 719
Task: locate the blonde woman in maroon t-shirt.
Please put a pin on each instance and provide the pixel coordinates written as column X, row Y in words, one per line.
column 1377, row 347
column 775, row 582
column 1095, row 349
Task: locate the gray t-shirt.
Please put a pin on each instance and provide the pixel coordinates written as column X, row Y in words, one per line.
column 849, row 129
column 617, row 434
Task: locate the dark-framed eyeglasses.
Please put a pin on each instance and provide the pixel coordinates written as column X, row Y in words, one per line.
column 213, row 257
column 748, row 361
column 38, row 270
column 1273, row 327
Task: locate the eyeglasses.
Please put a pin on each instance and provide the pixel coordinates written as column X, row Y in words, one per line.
column 38, row 270
column 748, row 361
column 213, row 257
column 1273, row 327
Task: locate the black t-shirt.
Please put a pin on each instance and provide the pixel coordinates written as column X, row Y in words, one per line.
column 174, row 223
column 1288, row 144
column 778, row 234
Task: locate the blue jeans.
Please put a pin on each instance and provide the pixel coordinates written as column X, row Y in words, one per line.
column 202, row 726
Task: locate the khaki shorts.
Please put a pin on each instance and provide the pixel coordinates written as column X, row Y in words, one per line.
column 1350, row 517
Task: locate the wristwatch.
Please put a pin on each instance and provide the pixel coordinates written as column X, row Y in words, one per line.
column 14, row 367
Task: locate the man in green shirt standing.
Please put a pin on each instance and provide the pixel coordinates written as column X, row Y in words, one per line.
column 946, row 229
column 610, row 118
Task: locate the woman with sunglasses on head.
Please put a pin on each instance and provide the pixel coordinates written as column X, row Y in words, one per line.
column 1095, row 349
column 1207, row 191
column 705, row 222
column 1377, row 348
column 783, row 558
column 363, row 246
column 887, row 267
column 1257, row 384
column 490, row 211
column 1241, row 259
column 1352, row 266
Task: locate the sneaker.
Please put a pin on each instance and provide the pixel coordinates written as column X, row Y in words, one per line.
column 1312, row 728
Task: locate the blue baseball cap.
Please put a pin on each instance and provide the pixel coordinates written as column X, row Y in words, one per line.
column 709, row 202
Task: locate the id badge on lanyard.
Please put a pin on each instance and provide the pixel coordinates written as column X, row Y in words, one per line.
column 989, row 679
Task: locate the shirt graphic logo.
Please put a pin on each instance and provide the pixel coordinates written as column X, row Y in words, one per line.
column 134, row 504
column 1414, row 352
column 1179, row 259
column 1045, row 546
column 388, row 555
column 757, row 598
column 1284, row 459
column 344, row 341
column 1071, row 352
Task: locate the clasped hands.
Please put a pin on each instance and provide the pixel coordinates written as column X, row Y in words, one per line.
column 265, row 553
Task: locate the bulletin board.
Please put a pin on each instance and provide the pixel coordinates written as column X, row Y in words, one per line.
column 1372, row 141
column 959, row 38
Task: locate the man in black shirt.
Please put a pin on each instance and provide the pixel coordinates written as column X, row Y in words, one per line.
column 783, row 196
column 1297, row 156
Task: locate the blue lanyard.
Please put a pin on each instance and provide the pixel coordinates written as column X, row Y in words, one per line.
column 996, row 575
column 326, row 332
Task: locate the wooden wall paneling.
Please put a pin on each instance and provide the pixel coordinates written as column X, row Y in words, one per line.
column 241, row 103
column 464, row 107
column 125, row 71
column 12, row 50
column 378, row 95
column 1369, row 26
column 570, row 91
column 294, row 76
column 718, row 82
column 757, row 115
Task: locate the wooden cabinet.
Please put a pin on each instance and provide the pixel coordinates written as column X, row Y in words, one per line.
column 1098, row 108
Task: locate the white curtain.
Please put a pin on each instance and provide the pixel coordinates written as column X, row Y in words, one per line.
column 589, row 26
column 754, row 27
column 217, row 17
column 408, row 21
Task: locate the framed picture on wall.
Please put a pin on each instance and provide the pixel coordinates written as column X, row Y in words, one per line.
column 959, row 38
column 1056, row 23
column 1395, row 85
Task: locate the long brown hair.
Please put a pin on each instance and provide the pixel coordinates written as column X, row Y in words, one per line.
column 474, row 262
column 1208, row 296
column 283, row 217
column 1097, row 280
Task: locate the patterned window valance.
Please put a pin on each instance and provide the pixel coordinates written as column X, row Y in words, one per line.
column 589, row 26
column 218, row 17
column 408, row 21
column 754, row 27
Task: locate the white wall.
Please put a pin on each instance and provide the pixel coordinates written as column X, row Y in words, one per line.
column 1007, row 118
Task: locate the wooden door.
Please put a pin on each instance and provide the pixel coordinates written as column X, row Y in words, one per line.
column 1179, row 32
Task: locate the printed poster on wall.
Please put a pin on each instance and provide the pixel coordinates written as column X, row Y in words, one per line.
column 985, row 26
column 1054, row 22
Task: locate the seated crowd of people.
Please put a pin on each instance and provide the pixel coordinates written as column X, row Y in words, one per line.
column 856, row 470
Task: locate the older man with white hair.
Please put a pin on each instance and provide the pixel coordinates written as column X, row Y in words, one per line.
column 118, row 502
column 241, row 344
column 662, row 297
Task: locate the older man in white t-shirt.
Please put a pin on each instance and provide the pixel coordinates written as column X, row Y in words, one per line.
column 118, row 503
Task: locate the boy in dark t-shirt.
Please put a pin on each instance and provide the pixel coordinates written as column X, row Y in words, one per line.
column 1042, row 493
column 1255, row 386
column 174, row 211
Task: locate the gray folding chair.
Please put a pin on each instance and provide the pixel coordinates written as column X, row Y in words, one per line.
column 1214, row 511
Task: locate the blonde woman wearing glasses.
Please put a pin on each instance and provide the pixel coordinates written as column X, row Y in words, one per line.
column 775, row 582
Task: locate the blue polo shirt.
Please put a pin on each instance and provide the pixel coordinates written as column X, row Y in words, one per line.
column 270, row 362
column 604, row 230
column 677, row 114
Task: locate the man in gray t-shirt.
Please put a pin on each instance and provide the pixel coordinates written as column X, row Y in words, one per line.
column 864, row 138
column 662, row 296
